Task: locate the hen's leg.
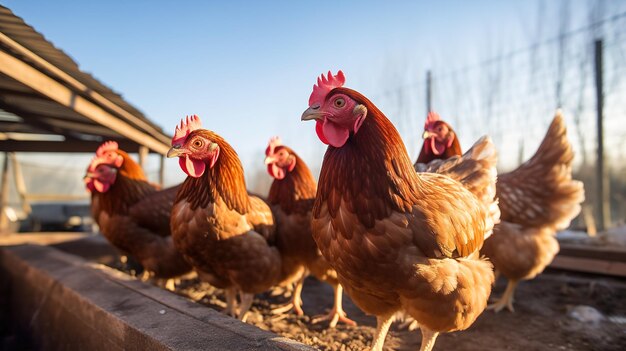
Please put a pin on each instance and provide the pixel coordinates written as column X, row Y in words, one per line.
column 296, row 299
column 507, row 298
column 428, row 339
column 231, row 302
column 337, row 314
column 170, row 284
column 246, row 303
column 382, row 327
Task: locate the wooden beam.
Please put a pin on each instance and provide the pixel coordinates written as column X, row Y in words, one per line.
column 68, row 127
column 4, row 195
column 20, row 185
column 56, row 91
column 61, row 146
column 143, row 157
column 56, row 197
column 589, row 265
column 161, row 170
column 83, row 89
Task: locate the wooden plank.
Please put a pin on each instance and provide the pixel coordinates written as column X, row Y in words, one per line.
column 4, row 194
column 587, row 251
column 56, row 91
column 61, row 146
column 56, row 197
column 589, row 265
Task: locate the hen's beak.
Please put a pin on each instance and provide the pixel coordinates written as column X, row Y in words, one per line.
column 175, row 151
column 89, row 175
column 269, row 160
column 312, row 112
column 427, row 134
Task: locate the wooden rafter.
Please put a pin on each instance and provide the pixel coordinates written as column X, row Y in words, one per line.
column 58, row 92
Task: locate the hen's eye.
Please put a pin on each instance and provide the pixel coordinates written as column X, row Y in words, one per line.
column 340, row 102
column 197, row 143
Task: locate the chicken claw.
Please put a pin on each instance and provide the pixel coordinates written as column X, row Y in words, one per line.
column 506, row 300
column 296, row 301
column 334, row 316
column 337, row 313
column 246, row 303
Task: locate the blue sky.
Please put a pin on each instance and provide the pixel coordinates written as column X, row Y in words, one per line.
column 247, row 67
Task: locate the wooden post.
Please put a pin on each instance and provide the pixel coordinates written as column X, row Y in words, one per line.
column 604, row 214
column 143, row 156
column 20, row 185
column 429, row 89
column 4, row 195
column 162, row 171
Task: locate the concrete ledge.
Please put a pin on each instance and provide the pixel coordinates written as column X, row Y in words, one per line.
column 63, row 302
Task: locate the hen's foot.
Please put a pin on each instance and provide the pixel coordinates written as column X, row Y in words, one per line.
column 506, row 300
column 501, row 304
column 296, row 301
column 335, row 316
column 288, row 307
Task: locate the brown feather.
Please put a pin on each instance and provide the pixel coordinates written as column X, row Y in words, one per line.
column 535, row 200
column 134, row 217
column 541, row 192
column 223, row 232
column 292, row 201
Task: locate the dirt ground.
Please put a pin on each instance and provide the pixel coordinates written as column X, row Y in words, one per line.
column 542, row 318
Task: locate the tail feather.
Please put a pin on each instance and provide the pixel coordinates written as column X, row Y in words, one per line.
column 541, row 192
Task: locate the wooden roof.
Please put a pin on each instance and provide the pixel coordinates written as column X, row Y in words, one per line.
column 47, row 104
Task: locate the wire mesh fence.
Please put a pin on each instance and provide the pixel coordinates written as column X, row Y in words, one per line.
column 512, row 96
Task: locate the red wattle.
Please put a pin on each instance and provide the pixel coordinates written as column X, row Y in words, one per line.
column 100, row 186
column 320, row 133
column 335, row 134
column 437, row 147
column 193, row 168
column 275, row 171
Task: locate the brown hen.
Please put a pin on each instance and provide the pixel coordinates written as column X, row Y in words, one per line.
column 291, row 196
column 536, row 200
column 227, row 235
column 132, row 214
column 399, row 240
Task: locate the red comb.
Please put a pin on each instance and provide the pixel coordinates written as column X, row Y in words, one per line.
column 186, row 126
column 274, row 142
column 325, row 85
column 431, row 118
column 107, row 146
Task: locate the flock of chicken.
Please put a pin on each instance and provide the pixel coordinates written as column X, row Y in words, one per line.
column 417, row 240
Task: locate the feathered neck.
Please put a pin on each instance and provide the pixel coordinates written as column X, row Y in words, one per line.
column 130, row 169
column 224, row 180
column 291, row 192
column 124, row 193
column 372, row 172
